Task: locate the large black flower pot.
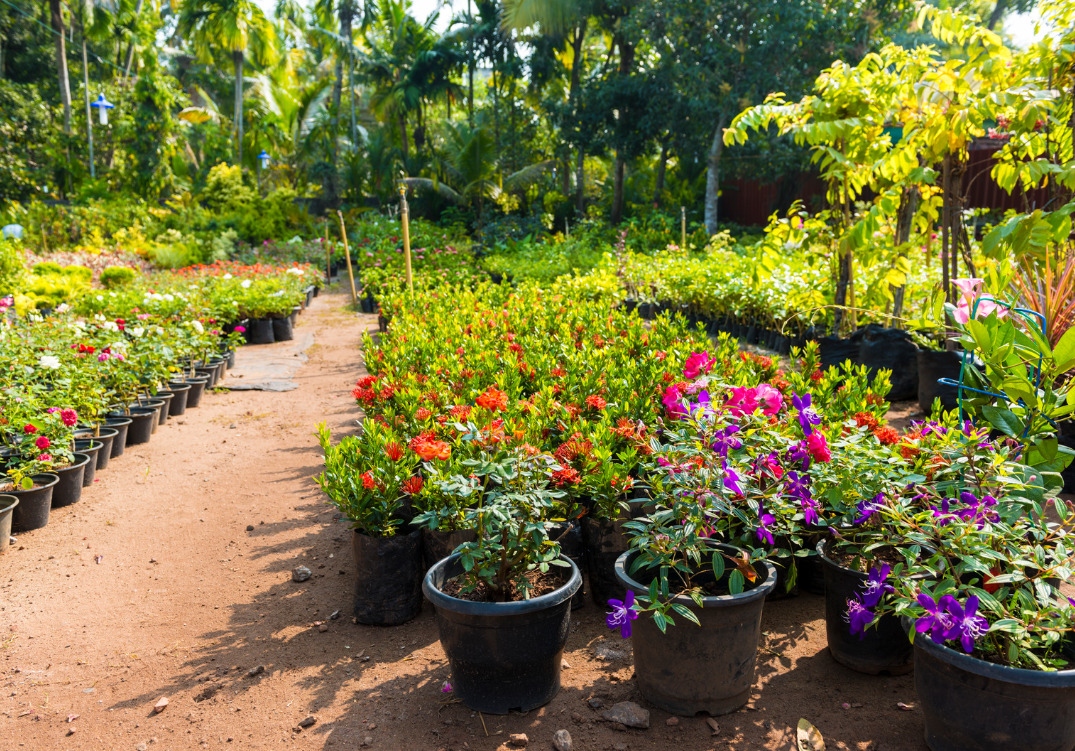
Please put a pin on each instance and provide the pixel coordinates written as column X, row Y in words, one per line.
column 894, row 350
column 143, row 423
column 163, row 399
column 119, row 443
column 91, row 448
column 388, row 585
column 157, row 404
column 881, row 648
column 68, row 490
column 503, row 656
column 260, row 331
column 34, row 504
column 7, row 509
column 197, row 388
column 690, row 669
column 210, row 374
column 282, row 329
column 932, row 366
column 972, row 705
column 569, row 535
column 179, row 391
column 106, row 437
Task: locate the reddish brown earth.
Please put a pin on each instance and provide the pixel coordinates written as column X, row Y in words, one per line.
column 184, row 601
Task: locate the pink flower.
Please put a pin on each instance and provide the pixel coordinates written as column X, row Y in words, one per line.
column 103, row 356
column 69, row 417
column 42, row 442
column 818, row 447
column 770, row 399
column 240, row 329
column 742, row 401
column 697, row 364
column 971, row 292
column 45, row 458
column 52, row 410
column 672, row 400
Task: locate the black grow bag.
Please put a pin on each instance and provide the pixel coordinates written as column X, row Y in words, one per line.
column 932, row 367
column 388, row 582
column 891, row 349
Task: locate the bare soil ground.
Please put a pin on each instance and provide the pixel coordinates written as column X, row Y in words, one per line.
column 172, row 578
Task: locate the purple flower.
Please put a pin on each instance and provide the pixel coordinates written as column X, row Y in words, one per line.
column 808, row 416
column 798, row 453
column 446, row 688
column 936, row 621
column 702, row 408
column 732, row 479
column 809, row 510
column 797, row 485
column 967, row 625
column 723, row 441
column 858, row 617
column 621, row 615
column 875, row 587
column 868, row 508
column 763, row 532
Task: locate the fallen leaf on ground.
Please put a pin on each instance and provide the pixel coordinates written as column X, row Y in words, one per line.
column 809, row 737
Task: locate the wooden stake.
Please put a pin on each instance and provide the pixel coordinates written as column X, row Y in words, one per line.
column 328, row 253
column 683, row 227
column 347, row 257
column 405, row 213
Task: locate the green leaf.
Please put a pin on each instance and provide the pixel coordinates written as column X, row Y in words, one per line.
column 718, row 566
column 1003, row 420
column 736, row 582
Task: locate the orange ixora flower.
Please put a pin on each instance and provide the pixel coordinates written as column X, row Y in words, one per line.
column 429, row 448
column 492, row 399
column 413, row 485
column 596, row 402
column 393, row 451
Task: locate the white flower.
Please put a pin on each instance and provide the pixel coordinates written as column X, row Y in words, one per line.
column 136, row 332
column 100, row 297
column 169, row 297
column 226, row 276
column 49, row 361
column 295, row 271
column 246, row 284
column 110, row 326
column 197, row 326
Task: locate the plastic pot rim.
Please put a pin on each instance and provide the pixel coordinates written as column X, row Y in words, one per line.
column 39, row 483
column 708, row 601
column 11, row 501
column 467, row 607
column 986, row 669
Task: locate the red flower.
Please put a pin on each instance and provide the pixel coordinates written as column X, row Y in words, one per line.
column 818, row 447
column 45, row 458
column 462, row 412
column 866, row 420
column 42, row 442
column 29, row 429
column 368, row 482
column 815, row 376
column 566, row 476
column 413, row 485
column 393, row 451
column 69, row 417
column 596, row 402
column 492, row 399
column 366, row 381
column 427, row 447
column 887, row 435
column 422, row 414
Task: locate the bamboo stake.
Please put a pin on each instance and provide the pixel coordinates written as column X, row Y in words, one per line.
column 328, row 253
column 347, row 257
column 405, row 214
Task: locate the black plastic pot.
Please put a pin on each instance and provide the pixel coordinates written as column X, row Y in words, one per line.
column 605, row 542
column 197, row 388
column 892, row 349
column 811, row 576
column 119, row 441
column 7, row 508
column 180, row 391
column 143, row 422
column 569, row 535
column 209, row 374
column 229, row 359
column 34, row 504
column 158, row 404
column 165, row 398
column 503, row 656
column 68, row 490
column 260, row 331
column 690, row 669
column 388, row 585
column 91, row 448
column 281, row 329
column 972, row 705
column 437, row 544
column 105, row 436
column 932, row 366
column 883, row 648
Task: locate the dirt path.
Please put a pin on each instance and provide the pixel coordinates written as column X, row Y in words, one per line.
column 186, row 601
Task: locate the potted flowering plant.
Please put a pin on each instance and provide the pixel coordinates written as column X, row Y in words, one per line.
column 368, row 478
column 503, row 600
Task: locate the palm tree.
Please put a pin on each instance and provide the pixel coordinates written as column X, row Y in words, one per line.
column 230, row 26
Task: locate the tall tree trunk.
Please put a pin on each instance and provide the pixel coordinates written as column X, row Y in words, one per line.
column 712, row 178
column 346, row 15
column 577, row 50
column 909, row 203
column 662, row 167
column 130, row 47
column 60, row 43
column 617, row 188
column 580, row 181
column 470, row 70
column 333, row 185
column 86, row 99
column 238, row 58
column 998, row 12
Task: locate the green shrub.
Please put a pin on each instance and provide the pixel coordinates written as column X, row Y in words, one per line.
column 170, row 256
column 80, row 273
column 47, row 268
column 117, row 276
column 12, row 268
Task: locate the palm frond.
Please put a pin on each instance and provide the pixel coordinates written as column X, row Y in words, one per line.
column 433, row 186
column 527, row 176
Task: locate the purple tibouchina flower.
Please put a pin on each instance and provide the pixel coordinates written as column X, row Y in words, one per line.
column 732, row 479
column 809, row 510
column 797, row 485
column 875, row 587
column 446, row 688
column 798, row 453
column 858, row 617
column 937, row 622
column 867, row 508
column 701, row 408
column 622, row 613
column 763, row 532
column 808, row 416
column 724, row 440
column 967, row 625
